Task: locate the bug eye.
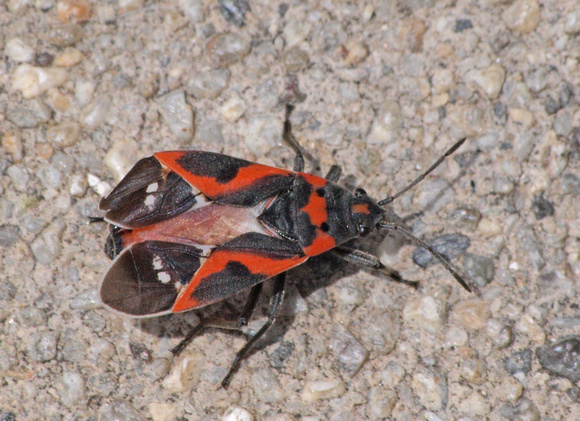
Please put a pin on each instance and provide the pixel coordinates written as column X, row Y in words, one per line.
column 363, row 230
column 360, row 192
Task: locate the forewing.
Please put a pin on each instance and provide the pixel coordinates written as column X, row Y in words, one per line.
column 147, row 195
column 146, row 278
column 225, row 179
column 239, row 264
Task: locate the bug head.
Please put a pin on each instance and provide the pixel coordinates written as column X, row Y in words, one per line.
column 367, row 214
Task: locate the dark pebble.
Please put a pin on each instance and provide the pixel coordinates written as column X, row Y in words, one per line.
column 7, row 416
column 574, row 394
column 523, row 410
column 562, row 358
column 501, row 41
column 479, row 269
column 519, row 362
column 234, row 11
column 565, row 96
column 140, row 352
column 462, row 25
column 551, row 105
column 542, row 207
column 8, row 235
column 7, row 290
column 282, row 9
column 281, row 354
column 449, row 245
column 571, row 184
column 500, row 111
column 43, row 59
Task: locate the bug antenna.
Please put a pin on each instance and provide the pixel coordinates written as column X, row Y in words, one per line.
column 390, row 226
column 422, row 176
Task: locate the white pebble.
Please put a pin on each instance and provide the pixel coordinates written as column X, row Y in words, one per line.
column 192, row 9
column 73, row 388
column 84, row 90
column 178, row 115
column 64, row 134
column 184, row 374
column 475, row 405
column 97, row 113
column 127, row 5
column 17, row 50
column 121, row 157
column 235, row 413
column 162, row 411
column 490, row 79
column 425, row 313
column 233, row 109
column 323, row 389
column 572, row 24
column 100, row 187
column 68, row 58
column 34, row 81
column 295, row 32
column 387, row 125
column 263, row 133
column 523, row 16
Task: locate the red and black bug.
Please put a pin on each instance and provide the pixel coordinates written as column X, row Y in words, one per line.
column 191, row 228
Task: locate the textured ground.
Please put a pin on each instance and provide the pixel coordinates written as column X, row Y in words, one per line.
column 383, row 87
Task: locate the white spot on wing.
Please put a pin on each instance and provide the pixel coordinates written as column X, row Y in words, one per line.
column 152, row 187
column 149, row 201
column 157, row 263
column 164, row 277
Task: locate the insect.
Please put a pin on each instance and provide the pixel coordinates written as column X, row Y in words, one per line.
column 191, row 228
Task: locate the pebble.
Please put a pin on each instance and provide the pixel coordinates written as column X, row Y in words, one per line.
column 32, row 223
column 528, row 326
column 68, row 58
column 523, row 410
column 105, row 383
column 442, row 80
column 542, row 207
column 185, row 373
column 7, row 290
column 572, row 23
column 490, row 79
column 382, row 402
column 523, row 16
column 449, row 245
column 9, row 234
column 73, row 388
column 510, row 390
column 29, row 114
column 178, row 114
column 328, row 36
column 471, row 314
column 410, row 34
column 562, row 357
column 267, row 93
column 233, row 109
column 100, row 187
column 349, row 354
column 435, row 194
column 130, row 5
column 295, row 60
column 77, row 185
column 392, row 374
column 227, row 48
column 387, row 125
column 349, row 92
column 383, row 333
column 236, row 413
column 462, row 25
column 19, row 177
column 84, row 90
column 119, row 410
column 75, row 11
column 210, row 84
column 210, row 131
column 519, row 362
column 43, row 346
column 500, row 334
column 192, row 9
column 570, row 184
column 479, row 269
column 234, row 11
column 87, row 300
column 17, row 50
column 323, row 389
column 426, row 313
column 12, row 143
column 47, row 246
column 32, row 316
column 563, row 123
column 475, row 405
column 295, row 32
column 162, row 411
column 56, row 100
column 430, row 388
column 456, row 337
column 101, row 352
column 65, row 35
column 526, row 238
column 266, row 385
column 264, row 132
column 354, row 53
column 466, row 217
column 120, row 158
column 96, row 113
column 34, row 81
column 64, row 134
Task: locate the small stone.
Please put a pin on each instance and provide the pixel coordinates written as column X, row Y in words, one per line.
column 449, row 245
column 382, row 402
column 32, row 223
column 163, row 411
column 9, row 234
column 562, row 358
column 7, row 290
column 97, row 113
column 73, row 388
column 563, row 123
column 119, row 410
column 392, row 374
column 328, row 36
column 382, row 335
column 349, row 92
column 266, row 385
column 542, row 207
column 77, row 185
column 426, row 313
column 490, row 79
column 12, row 143
column 100, row 187
column 387, row 125
column 227, row 48
column 471, row 314
column 519, row 362
column 279, row 356
column 479, row 269
column 528, row 326
column 47, row 246
column 475, row 405
column 295, row 60
column 234, row 11
column 523, row 410
column 472, row 368
column 323, row 389
column 526, row 238
column 295, row 32
column 68, row 58
column 570, row 184
column 64, row 134
column 73, row 11
column 210, row 131
column 56, row 100
column 233, row 109
column 572, row 23
column 17, row 50
column 466, row 217
column 354, row 53
column 435, row 194
column 86, row 300
column 210, row 84
column 32, row 316
column 130, row 5
column 349, row 353
column 456, row 337
column 410, row 34
column 65, row 35
column 120, row 158
column 510, row 390
column 263, row 133
column 43, row 346
column 84, row 90
column 236, row 413
column 34, row 81
column 430, row 388
column 179, row 115
column 500, row 111
column 463, row 25
column 29, row 113
column 523, row 16
column 192, row 9
column 267, row 93
column 184, row 374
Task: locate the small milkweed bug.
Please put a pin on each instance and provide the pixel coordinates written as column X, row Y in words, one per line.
column 191, row 228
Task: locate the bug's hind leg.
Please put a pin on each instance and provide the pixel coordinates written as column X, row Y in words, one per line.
column 234, row 324
column 275, row 304
column 366, row 260
column 289, row 138
column 334, row 173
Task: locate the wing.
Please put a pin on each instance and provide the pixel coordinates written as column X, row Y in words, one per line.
column 225, row 179
column 153, row 278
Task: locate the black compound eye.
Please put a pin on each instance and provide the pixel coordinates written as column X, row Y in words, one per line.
column 360, row 192
column 363, row 230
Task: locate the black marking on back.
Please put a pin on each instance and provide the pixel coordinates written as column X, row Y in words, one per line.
column 264, row 245
column 258, row 191
column 223, row 168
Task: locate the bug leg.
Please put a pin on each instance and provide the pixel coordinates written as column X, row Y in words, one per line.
column 366, row 260
column 289, row 138
column 275, row 304
column 218, row 323
column 95, row 219
column 334, row 173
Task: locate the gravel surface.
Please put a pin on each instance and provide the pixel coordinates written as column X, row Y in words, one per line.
column 382, row 88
